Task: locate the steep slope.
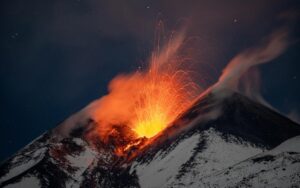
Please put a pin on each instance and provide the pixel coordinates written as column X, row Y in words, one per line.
column 217, row 132
column 52, row 161
column 195, row 156
column 48, row 162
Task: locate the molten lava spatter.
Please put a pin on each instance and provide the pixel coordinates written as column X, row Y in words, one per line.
column 167, row 90
column 147, row 101
column 162, row 98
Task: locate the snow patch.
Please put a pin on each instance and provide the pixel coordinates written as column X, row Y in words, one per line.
column 216, row 155
column 17, row 169
column 81, row 162
column 279, row 167
column 163, row 170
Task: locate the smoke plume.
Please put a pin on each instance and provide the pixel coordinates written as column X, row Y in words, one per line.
column 145, row 101
column 270, row 48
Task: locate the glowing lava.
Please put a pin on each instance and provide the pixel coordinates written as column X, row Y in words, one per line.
column 166, row 91
column 147, row 101
column 161, row 99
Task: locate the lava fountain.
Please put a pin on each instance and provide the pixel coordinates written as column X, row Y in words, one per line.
column 147, row 101
column 166, row 92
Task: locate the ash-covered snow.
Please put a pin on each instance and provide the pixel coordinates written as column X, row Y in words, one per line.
column 18, row 168
column 80, row 162
column 26, row 158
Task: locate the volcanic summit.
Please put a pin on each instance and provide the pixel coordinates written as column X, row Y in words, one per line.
column 197, row 151
column 153, row 129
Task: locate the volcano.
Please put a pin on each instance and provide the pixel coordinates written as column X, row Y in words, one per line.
column 223, row 140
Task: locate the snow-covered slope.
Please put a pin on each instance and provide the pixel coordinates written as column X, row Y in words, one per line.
column 279, row 167
column 25, row 159
column 219, row 141
column 55, row 161
column 45, row 160
column 243, row 130
column 192, row 158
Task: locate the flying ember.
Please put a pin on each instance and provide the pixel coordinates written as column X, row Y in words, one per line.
column 165, row 93
column 147, row 101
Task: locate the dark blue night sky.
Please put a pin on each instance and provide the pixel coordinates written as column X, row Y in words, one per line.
column 59, row 55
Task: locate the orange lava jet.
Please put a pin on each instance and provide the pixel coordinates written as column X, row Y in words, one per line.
column 162, row 97
column 148, row 101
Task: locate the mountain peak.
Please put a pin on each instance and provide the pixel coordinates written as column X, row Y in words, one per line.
column 219, row 130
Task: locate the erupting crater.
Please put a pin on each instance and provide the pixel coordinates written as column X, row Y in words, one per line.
column 149, row 100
